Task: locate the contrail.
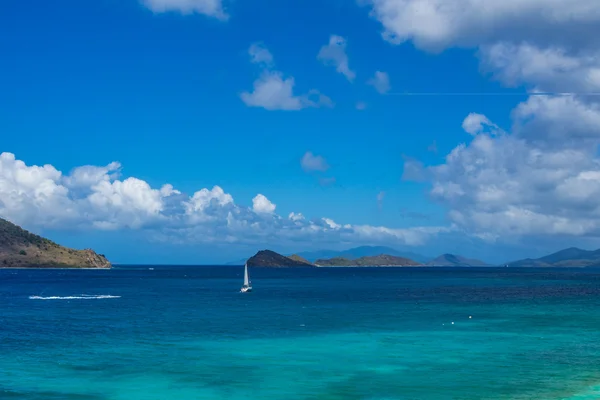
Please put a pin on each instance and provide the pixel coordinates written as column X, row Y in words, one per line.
column 494, row 94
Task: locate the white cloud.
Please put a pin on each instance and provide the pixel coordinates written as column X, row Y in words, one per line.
column 167, row 190
column 211, row 8
column 381, row 82
column 96, row 198
column 311, row 162
column 552, row 67
column 262, row 205
column 296, row 216
column 439, row 24
column 475, row 124
column 272, row 91
column 131, row 202
column 334, row 54
column 563, row 121
column 539, row 179
column 207, row 205
column 259, row 54
column 546, row 44
column 542, row 175
column 331, row 223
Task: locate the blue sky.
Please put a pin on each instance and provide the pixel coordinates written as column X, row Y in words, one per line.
column 90, row 83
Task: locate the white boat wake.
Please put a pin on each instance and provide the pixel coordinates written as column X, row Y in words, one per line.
column 79, row 297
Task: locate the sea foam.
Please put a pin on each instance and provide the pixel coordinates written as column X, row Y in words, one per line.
column 79, row 297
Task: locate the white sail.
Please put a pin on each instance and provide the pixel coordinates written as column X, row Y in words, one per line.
column 246, row 280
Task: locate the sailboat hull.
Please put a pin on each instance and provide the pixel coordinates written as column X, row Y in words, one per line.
column 245, row 289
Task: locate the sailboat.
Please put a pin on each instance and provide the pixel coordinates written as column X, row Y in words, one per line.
column 246, row 287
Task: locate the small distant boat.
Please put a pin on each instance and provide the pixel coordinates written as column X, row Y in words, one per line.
column 247, row 284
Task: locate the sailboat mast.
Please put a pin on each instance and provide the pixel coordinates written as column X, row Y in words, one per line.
column 246, row 280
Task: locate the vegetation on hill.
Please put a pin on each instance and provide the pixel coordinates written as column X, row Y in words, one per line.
column 22, row 249
column 268, row 258
column 334, row 262
column 382, row 260
column 296, row 257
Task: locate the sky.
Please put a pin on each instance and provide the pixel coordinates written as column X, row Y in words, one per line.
column 200, row 131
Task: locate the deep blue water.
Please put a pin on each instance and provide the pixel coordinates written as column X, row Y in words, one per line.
column 326, row 333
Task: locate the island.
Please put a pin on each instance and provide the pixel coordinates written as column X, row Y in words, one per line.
column 382, row 260
column 271, row 259
column 22, row 249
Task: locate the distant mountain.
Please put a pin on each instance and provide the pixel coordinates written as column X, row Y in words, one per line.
column 571, row 257
column 362, row 251
column 22, row 249
column 452, row 260
column 268, row 258
column 382, row 260
column 241, row 261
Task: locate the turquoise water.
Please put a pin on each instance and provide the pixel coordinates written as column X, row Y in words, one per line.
column 381, row 333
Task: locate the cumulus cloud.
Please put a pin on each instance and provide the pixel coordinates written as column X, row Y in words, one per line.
column 272, row 91
column 311, row 162
column 211, row 8
column 381, row 82
column 554, row 68
column 439, row 24
column 262, row 205
column 539, row 179
column 259, row 54
column 296, row 216
column 537, row 43
column 334, row 54
column 475, row 124
column 542, row 175
column 95, row 197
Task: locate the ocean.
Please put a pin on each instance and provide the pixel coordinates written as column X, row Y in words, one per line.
column 176, row 332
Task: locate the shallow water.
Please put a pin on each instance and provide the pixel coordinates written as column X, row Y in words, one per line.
column 360, row 333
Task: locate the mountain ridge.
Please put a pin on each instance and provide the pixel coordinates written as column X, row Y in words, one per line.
column 569, row 257
column 453, row 260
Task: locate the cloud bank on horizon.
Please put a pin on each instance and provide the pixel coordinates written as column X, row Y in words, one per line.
column 94, row 197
